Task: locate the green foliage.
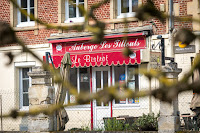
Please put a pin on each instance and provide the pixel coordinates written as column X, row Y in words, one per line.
column 114, row 125
column 147, row 122
column 80, row 129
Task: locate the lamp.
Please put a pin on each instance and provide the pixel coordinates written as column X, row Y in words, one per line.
column 162, row 48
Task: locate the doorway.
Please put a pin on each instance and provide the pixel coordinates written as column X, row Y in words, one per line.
column 101, row 78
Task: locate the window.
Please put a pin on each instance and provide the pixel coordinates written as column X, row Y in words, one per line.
column 28, row 6
column 72, row 13
column 24, row 84
column 123, row 74
column 126, row 8
column 79, row 78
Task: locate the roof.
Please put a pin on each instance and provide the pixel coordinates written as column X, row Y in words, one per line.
column 59, row 36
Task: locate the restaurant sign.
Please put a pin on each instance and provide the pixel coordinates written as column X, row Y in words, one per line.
column 108, row 52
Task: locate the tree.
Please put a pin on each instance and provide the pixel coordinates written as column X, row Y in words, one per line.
column 148, row 11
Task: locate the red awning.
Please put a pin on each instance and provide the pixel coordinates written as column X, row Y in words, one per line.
column 108, row 52
column 99, row 59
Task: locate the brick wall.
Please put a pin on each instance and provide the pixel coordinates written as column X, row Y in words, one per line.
column 183, row 13
column 5, row 10
column 102, row 12
column 159, row 28
column 130, row 25
column 48, row 10
column 28, row 37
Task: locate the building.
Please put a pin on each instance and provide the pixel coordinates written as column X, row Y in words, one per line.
column 94, row 65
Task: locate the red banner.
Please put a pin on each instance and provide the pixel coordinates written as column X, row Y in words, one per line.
column 108, row 52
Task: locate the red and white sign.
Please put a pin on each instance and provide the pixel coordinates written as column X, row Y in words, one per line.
column 108, row 52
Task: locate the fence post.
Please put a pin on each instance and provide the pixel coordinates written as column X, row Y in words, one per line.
column 1, row 114
column 41, row 95
column 169, row 120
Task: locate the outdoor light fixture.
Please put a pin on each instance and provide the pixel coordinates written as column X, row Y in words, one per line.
column 162, row 48
column 133, row 55
column 159, row 37
column 162, row 44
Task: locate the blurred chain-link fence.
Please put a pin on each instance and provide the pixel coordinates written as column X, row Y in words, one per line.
column 93, row 116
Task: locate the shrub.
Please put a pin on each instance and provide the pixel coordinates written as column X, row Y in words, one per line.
column 114, row 125
column 147, row 122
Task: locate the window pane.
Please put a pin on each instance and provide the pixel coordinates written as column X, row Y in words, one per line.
column 124, row 6
column 131, row 75
column 23, row 18
column 31, row 3
column 25, row 72
column 119, row 70
column 73, row 81
column 25, row 100
column 134, row 5
column 98, row 80
column 73, row 77
column 81, row 0
column 105, row 78
column 84, row 80
column 25, row 85
column 80, row 13
column 133, row 82
column 120, row 78
column 32, row 12
column 105, row 82
column 72, row 11
column 23, row 3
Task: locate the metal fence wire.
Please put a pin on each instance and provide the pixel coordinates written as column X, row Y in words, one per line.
column 85, row 117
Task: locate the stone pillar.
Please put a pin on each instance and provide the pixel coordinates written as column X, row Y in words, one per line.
column 169, row 120
column 41, row 95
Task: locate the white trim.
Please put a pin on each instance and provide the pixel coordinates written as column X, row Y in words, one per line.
column 77, row 108
column 78, row 89
column 95, row 107
column 35, row 46
column 124, row 15
column 78, row 80
column 28, row 22
column 113, row 75
column 23, row 108
column 118, row 105
column 126, row 79
column 25, row 64
column 77, row 19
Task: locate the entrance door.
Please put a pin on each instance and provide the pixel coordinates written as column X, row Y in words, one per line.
column 101, row 79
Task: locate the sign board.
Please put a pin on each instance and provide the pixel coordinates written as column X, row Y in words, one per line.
column 155, row 60
column 110, row 45
column 108, row 52
column 188, row 49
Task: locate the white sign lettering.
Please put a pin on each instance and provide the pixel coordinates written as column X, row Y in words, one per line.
column 104, row 45
column 98, row 58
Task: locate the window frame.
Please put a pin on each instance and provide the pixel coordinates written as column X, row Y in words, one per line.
column 21, row 88
column 67, row 98
column 127, row 104
column 28, row 22
column 77, row 18
column 128, row 14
